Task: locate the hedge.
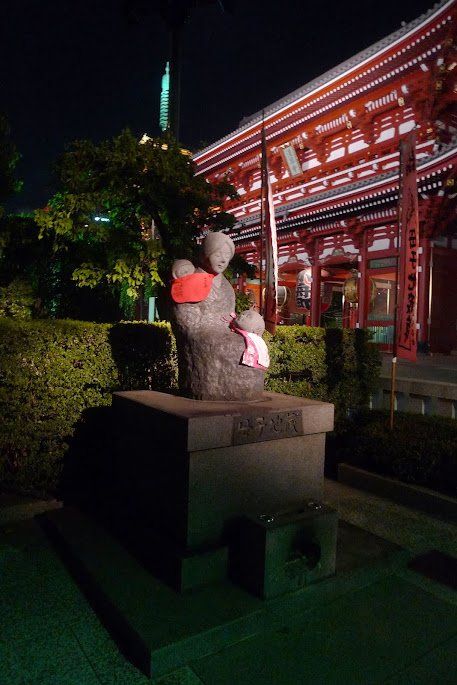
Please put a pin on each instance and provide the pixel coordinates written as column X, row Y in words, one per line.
column 421, row 450
column 53, row 373
column 333, row 365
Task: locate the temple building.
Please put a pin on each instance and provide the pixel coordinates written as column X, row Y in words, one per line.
column 333, row 154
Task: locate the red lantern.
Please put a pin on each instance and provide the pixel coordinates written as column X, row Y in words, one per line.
column 303, row 292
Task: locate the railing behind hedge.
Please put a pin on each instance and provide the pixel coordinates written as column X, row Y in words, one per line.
column 51, row 372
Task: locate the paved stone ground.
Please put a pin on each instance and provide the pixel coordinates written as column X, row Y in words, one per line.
column 388, row 623
column 393, row 620
column 14, row 508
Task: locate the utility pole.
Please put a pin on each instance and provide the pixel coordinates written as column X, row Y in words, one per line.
column 175, row 14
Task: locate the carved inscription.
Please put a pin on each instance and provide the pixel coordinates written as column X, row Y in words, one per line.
column 270, row 426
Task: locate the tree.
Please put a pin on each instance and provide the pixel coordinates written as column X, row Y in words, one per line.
column 35, row 281
column 9, row 185
column 130, row 209
column 17, row 293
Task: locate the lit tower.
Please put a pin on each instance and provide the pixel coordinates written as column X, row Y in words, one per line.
column 164, row 120
column 175, row 14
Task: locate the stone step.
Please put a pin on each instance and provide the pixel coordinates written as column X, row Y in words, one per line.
column 156, row 628
column 417, row 395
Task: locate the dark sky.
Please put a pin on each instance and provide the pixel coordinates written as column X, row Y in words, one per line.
column 81, row 70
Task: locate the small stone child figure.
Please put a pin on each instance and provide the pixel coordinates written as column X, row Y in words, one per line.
column 182, row 267
column 251, row 326
column 189, row 286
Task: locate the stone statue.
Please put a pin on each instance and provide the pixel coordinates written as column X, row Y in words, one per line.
column 212, row 357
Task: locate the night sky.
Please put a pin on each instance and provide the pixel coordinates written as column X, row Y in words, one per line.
column 81, row 69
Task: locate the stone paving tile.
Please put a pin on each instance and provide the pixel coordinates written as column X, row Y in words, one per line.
column 24, row 508
column 182, row 676
column 49, row 633
column 409, row 528
column 437, row 368
column 438, row 667
column 438, row 590
column 112, row 668
column 362, row 638
column 37, row 594
column 400, row 629
column 45, row 661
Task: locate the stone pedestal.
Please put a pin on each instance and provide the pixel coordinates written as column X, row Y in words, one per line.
column 190, row 469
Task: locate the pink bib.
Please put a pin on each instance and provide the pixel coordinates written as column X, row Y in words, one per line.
column 256, row 352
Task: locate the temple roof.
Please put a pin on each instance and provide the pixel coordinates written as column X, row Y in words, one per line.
column 373, row 192
column 331, row 75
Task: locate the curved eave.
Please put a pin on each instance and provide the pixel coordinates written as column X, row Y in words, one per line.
column 359, row 196
column 271, row 113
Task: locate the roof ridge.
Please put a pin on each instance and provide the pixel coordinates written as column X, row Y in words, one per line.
column 328, row 76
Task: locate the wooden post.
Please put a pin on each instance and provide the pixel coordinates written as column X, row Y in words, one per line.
column 316, row 287
column 363, row 286
column 263, row 190
column 423, row 310
column 394, row 346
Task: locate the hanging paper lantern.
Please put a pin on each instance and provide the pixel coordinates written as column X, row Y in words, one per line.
column 283, row 295
column 350, row 291
column 373, row 290
column 303, row 290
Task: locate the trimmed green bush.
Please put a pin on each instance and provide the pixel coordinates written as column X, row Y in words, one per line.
column 53, row 372
column 334, row 365
column 421, row 450
column 17, row 300
column 145, row 356
column 297, row 361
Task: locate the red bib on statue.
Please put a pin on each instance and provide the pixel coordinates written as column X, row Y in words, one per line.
column 192, row 288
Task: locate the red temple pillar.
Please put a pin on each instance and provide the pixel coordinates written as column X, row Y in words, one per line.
column 316, row 287
column 423, row 291
column 363, row 284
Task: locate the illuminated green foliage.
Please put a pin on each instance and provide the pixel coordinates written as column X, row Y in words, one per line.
column 17, row 300
column 155, row 204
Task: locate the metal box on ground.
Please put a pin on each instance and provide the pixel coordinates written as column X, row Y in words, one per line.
column 273, row 555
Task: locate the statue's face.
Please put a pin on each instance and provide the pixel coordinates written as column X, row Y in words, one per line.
column 218, row 261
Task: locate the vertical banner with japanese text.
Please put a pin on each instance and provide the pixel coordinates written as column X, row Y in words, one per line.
column 271, row 245
column 409, row 237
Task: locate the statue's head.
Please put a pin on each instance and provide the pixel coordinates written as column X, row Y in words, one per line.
column 218, row 249
column 182, row 267
column 250, row 321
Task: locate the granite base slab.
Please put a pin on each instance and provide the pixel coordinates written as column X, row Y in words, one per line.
column 159, row 630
